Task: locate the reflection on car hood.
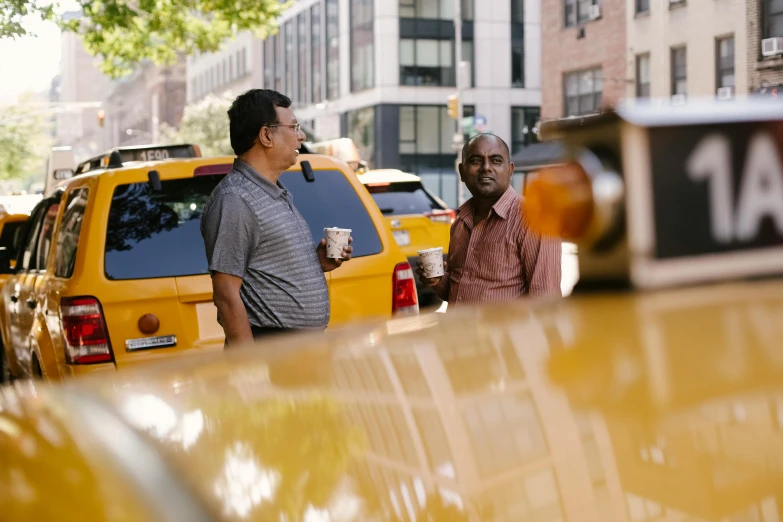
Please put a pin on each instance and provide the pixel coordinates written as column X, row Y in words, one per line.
column 622, row 407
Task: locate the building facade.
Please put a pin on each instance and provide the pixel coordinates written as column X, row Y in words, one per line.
column 687, row 49
column 765, row 22
column 138, row 104
column 230, row 70
column 583, row 56
column 380, row 72
column 80, row 81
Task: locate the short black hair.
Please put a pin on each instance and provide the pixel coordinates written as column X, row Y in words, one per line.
column 249, row 113
column 475, row 138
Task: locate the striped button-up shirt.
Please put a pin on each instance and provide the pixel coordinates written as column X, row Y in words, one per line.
column 500, row 259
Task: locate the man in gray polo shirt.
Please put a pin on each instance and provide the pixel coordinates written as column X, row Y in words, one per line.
column 266, row 275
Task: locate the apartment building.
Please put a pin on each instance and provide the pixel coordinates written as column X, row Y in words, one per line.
column 380, row 72
column 229, row 70
column 687, row 48
column 583, row 56
column 765, row 46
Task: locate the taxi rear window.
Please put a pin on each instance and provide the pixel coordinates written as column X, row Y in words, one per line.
column 331, row 201
column 158, row 234
column 395, row 199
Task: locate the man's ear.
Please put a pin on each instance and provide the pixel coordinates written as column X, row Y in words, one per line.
column 265, row 136
column 511, row 168
column 461, row 175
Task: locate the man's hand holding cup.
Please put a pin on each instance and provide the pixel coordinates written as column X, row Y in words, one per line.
column 431, row 266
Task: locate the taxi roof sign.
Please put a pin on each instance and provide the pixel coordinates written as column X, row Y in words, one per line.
column 118, row 156
column 703, row 190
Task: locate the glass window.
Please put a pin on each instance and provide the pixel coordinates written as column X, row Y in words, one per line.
column 26, row 259
column 523, row 127
column 517, row 11
column 643, row 76
column 45, row 236
column 679, row 70
column 642, row 6
column 332, row 49
column 278, row 61
column 165, row 226
column 11, row 237
column 773, row 18
column 434, row 9
column 329, row 200
column 427, row 62
column 725, row 65
column 301, row 33
column 517, row 63
column 269, row 63
column 576, row 11
column 289, row 57
column 316, row 54
column 583, row 91
column 361, row 129
column 396, row 199
column 362, row 48
column 70, row 230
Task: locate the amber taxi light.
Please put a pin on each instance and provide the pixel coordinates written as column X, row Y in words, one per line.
column 559, row 202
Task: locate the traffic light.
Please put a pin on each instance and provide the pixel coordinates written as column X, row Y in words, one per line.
column 453, row 105
column 101, row 117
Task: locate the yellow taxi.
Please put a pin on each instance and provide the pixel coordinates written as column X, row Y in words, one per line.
column 419, row 219
column 11, row 226
column 655, row 396
column 112, row 271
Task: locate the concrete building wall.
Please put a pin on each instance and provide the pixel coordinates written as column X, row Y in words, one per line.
column 697, row 25
column 592, row 43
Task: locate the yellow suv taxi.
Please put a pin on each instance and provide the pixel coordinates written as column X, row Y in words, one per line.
column 418, row 218
column 112, row 269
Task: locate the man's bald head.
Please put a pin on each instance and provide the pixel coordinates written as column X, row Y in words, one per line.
column 484, row 136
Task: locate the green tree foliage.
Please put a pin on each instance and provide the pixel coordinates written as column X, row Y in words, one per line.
column 204, row 123
column 13, row 11
column 125, row 32
column 25, row 138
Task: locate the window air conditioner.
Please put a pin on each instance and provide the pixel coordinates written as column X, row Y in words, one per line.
column 595, row 12
column 772, row 46
column 725, row 93
column 678, row 99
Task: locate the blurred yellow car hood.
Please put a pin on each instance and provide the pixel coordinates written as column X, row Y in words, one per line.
column 596, row 408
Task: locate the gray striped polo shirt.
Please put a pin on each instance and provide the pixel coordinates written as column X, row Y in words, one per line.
column 252, row 230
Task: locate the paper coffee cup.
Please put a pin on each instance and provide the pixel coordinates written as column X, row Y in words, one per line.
column 336, row 240
column 432, row 262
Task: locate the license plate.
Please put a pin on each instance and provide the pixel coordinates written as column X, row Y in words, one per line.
column 402, row 237
column 150, row 342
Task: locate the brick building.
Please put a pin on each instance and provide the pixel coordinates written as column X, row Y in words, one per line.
column 583, row 56
column 765, row 20
column 687, row 49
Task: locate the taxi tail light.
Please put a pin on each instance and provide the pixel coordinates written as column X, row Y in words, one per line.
column 442, row 216
column 86, row 335
column 213, row 170
column 405, row 299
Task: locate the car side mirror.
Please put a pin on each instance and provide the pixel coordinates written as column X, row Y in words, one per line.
column 5, row 261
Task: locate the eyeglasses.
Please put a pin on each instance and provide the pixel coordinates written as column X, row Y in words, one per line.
column 295, row 126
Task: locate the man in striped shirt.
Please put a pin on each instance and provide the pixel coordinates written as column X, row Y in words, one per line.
column 493, row 255
column 267, row 276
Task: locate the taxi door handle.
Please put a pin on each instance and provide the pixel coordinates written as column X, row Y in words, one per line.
column 14, row 298
column 31, row 303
